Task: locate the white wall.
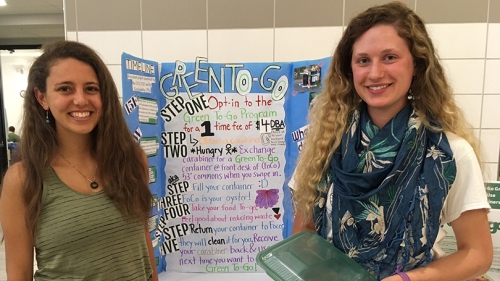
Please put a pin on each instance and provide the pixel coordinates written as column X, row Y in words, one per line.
column 15, row 69
column 470, row 54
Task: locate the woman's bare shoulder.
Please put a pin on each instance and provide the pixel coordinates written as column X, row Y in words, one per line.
column 14, row 178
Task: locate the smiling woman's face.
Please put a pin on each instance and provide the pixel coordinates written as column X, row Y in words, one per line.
column 73, row 97
column 382, row 68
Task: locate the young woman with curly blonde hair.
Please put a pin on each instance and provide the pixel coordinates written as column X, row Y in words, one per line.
column 388, row 156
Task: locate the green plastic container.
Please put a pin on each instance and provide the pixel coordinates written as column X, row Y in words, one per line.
column 306, row 256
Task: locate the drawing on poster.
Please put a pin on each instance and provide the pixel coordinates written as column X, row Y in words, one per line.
column 307, row 78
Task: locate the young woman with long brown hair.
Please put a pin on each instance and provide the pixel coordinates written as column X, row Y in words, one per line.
column 79, row 195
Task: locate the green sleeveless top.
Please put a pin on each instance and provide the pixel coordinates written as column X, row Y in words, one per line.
column 85, row 237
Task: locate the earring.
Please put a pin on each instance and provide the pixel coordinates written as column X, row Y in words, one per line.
column 410, row 95
column 47, row 117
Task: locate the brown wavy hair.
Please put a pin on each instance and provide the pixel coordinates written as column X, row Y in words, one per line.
column 329, row 116
column 119, row 157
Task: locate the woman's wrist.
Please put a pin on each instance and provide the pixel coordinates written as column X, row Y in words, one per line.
column 393, row 278
column 403, row 276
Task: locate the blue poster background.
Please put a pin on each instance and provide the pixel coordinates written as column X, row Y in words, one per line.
column 133, row 67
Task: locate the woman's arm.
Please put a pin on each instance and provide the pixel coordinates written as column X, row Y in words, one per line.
column 151, row 255
column 146, row 229
column 473, row 257
column 17, row 239
column 299, row 224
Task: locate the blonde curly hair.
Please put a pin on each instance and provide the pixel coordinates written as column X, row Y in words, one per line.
column 329, row 117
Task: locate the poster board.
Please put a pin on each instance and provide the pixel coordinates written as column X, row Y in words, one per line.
column 222, row 141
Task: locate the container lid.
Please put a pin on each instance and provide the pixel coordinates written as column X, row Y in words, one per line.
column 306, row 256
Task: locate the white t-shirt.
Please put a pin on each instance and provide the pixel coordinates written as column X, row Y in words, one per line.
column 467, row 192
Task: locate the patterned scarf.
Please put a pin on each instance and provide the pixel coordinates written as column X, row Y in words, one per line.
column 388, row 189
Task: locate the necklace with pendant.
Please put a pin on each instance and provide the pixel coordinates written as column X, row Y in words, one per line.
column 93, row 183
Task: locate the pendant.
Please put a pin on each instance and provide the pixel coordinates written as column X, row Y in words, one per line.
column 94, row 185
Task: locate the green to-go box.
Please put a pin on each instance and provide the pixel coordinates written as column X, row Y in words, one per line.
column 306, row 256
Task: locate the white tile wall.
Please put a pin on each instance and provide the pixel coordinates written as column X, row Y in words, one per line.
column 465, row 75
column 116, row 72
column 453, row 40
column 477, row 133
column 240, row 45
column 493, row 41
column 172, row 45
column 71, row 35
column 492, row 75
column 490, row 141
column 471, row 106
column 305, row 43
column 111, row 44
column 490, row 171
column 491, row 112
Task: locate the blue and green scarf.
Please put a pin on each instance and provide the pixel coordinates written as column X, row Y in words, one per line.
column 388, row 189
